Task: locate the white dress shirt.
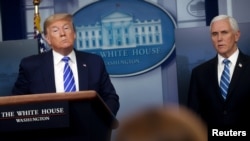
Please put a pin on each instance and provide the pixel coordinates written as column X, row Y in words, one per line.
column 58, row 70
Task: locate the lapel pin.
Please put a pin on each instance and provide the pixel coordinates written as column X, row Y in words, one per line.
column 240, row 65
column 84, row 65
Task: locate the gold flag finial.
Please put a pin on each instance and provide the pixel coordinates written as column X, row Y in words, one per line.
column 36, row 2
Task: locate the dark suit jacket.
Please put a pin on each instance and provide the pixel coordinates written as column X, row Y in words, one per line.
column 36, row 75
column 205, row 98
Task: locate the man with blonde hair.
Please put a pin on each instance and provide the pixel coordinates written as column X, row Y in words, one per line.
column 44, row 73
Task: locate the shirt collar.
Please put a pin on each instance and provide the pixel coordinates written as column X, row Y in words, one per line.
column 232, row 58
column 58, row 57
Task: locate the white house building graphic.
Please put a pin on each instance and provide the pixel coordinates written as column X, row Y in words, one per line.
column 119, row 30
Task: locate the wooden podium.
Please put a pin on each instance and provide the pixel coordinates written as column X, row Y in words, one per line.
column 76, row 116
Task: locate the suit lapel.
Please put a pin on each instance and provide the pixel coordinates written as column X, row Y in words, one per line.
column 214, row 77
column 82, row 68
column 238, row 70
column 48, row 72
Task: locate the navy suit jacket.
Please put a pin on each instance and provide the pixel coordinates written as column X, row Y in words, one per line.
column 36, row 75
column 205, row 97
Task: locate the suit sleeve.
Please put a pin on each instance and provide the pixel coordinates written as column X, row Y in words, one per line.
column 21, row 86
column 108, row 92
column 193, row 93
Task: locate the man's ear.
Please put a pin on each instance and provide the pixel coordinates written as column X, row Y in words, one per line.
column 47, row 40
column 75, row 35
column 237, row 36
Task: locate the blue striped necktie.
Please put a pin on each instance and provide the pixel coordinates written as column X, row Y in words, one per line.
column 68, row 78
column 225, row 79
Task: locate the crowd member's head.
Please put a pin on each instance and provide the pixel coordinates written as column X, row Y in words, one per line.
column 162, row 124
column 60, row 33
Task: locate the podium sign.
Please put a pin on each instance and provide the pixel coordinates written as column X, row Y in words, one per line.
column 70, row 116
column 34, row 116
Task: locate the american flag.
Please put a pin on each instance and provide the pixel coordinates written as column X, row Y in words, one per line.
column 38, row 34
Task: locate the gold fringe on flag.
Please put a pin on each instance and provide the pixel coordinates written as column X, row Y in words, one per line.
column 37, row 21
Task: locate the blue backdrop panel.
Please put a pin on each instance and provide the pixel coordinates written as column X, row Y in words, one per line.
column 11, row 53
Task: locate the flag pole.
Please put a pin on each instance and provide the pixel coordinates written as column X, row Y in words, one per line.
column 36, row 4
column 37, row 18
column 37, row 28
